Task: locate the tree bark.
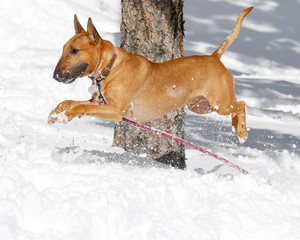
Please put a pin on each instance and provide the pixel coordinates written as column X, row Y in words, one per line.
column 154, row 29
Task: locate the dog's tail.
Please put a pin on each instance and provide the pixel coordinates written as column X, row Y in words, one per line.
column 233, row 35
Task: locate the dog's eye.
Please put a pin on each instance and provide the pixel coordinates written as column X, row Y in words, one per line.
column 74, row 50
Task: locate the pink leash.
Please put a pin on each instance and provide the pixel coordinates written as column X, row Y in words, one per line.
column 164, row 134
column 177, row 139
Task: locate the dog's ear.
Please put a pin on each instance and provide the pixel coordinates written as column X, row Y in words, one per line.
column 92, row 31
column 77, row 25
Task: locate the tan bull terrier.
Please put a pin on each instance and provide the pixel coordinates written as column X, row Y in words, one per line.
column 142, row 91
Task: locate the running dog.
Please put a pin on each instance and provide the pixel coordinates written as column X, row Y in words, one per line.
column 142, row 91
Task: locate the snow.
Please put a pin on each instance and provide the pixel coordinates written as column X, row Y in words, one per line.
column 66, row 182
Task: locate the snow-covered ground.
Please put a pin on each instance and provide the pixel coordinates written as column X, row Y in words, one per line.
column 66, row 182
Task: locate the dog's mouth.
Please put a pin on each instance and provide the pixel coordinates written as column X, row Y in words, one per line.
column 67, row 81
column 69, row 75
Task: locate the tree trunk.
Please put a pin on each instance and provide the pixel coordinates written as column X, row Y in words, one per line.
column 154, row 29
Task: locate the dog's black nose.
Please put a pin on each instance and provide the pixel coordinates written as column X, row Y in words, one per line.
column 60, row 76
column 57, row 77
column 58, row 72
column 68, row 75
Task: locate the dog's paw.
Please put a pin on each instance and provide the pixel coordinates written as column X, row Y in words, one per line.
column 57, row 117
column 242, row 140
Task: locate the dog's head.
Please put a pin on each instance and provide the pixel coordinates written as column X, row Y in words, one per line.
column 81, row 54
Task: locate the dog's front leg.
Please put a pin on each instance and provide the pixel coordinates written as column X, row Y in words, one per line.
column 108, row 111
column 57, row 114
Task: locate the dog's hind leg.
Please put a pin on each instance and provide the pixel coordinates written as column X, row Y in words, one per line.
column 239, row 121
column 238, row 114
column 223, row 101
column 228, row 105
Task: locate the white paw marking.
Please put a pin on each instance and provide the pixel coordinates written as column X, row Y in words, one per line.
column 242, row 140
column 60, row 117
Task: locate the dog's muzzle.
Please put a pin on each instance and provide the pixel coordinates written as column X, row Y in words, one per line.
column 69, row 75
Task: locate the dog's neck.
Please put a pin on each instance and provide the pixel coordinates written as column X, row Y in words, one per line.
column 106, row 52
column 105, row 64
